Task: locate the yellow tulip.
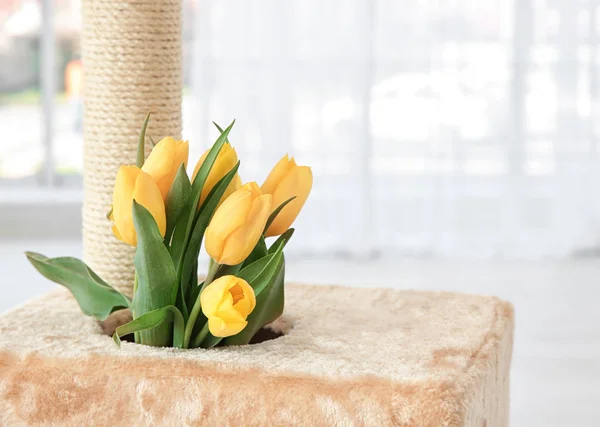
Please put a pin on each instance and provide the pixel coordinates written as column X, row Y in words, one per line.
column 286, row 180
column 225, row 161
column 226, row 303
column 134, row 184
column 164, row 161
column 237, row 225
column 234, row 185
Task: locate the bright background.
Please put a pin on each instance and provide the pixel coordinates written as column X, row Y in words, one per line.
column 455, row 146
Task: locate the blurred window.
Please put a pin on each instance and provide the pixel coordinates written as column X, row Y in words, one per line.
column 22, row 152
column 442, row 127
column 437, row 127
column 41, row 78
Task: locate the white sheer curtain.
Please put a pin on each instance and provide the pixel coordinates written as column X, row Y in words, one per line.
column 463, row 127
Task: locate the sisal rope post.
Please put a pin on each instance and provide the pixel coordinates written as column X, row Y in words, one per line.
column 132, row 65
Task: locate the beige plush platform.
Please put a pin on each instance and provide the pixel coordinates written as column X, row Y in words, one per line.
column 351, row 357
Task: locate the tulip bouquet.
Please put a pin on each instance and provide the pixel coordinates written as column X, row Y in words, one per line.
column 167, row 216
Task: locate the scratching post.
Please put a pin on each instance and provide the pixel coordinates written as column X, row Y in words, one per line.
column 132, row 66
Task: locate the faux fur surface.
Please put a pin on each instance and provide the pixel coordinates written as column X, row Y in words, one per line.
column 349, row 356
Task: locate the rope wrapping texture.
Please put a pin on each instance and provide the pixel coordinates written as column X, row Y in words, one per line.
column 132, row 54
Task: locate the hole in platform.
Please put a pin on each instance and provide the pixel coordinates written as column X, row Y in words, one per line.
column 128, row 337
column 265, row 334
column 270, row 332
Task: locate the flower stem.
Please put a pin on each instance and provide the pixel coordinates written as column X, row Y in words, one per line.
column 212, row 272
column 136, row 335
column 196, row 309
column 135, row 283
column 201, row 335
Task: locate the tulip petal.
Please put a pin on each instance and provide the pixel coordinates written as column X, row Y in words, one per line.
column 160, row 158
column 216, row 326
column 213, row 296
column 115, row 231
column 124, row 186
column 148, row 195
column 164, row 161
column 230, row 315
column 225, row 161
column 221, row 329
column 297, row 183
column 228, row 217
column 182, row 153
column 123, row 203
column 240, row 242
column 233, row 186
column 247, row 304
column 279, row 171
column 237, row 293
column 200, row 163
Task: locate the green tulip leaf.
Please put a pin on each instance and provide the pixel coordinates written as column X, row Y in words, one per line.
column 272, row 309
column 178, row 241
column 269, row 306
column 260, row 273
column 227, row 270
column 281, row 241
column 276, row 212
column 141, row 148
column 188, row 221
column 202, row 336
column 219, row 129
column 259, row 251
column 157, row 278
column 181, row 302
column 215, row 195
column 153, row 319
column 177, row 199
column 193, row 293
column 207, row 210
column 95, row 297
column 210, row 341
